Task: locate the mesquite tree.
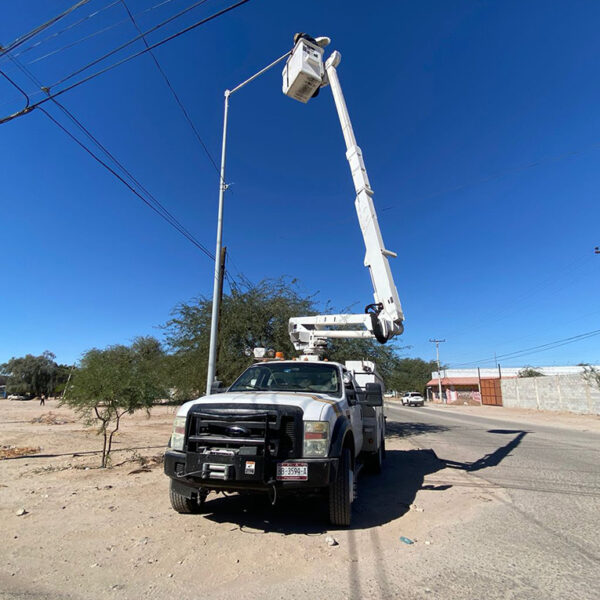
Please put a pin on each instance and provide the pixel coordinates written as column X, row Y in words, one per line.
column 34, row 375
column 116, row 381
column 252, row 314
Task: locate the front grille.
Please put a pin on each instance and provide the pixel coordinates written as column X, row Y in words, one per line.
column 287, row 441
column 268, row 431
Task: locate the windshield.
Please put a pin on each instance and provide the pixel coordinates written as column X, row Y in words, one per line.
column 286, row 377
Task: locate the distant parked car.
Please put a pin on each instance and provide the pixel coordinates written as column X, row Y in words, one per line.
column 413, row 399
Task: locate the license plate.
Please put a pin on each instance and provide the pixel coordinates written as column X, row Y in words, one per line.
column 292, row 471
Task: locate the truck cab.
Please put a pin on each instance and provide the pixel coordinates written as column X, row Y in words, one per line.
column 283, row 426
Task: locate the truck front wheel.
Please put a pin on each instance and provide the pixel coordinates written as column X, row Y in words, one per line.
column 187, row 506
column 341, row 492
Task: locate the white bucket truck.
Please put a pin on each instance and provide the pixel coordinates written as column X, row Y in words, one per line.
column 303, row 425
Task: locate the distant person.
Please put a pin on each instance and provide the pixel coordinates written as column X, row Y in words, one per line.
column 43, row 400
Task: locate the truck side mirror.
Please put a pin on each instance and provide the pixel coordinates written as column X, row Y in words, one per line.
column 217, row 387
column 372, row 396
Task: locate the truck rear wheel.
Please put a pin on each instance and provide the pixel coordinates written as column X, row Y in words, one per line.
column 375, row 461
column 187, row 506
column 340, row 500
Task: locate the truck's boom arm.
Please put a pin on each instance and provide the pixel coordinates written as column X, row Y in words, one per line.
column 376, row 257
column 384, row 318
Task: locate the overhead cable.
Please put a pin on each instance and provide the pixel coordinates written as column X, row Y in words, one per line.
column 24, row 38
column 66, row 28
column 95, row 33
column 534, row 349
column 535, row 288
column 173, row 223
column 499, row 175
column 173, row 92
column 122, row 61
column 15, row 85
column 128, row 43
column 153, row 203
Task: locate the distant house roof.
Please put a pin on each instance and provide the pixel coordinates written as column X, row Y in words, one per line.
column 455, row 381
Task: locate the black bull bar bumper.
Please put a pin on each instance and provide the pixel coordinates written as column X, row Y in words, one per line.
column 192, row 471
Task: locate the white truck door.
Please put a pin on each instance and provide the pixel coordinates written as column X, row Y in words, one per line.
column 355, row 411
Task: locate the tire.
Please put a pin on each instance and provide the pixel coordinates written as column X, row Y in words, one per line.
column 375, row 460
column 187, row 506
column 340, row 505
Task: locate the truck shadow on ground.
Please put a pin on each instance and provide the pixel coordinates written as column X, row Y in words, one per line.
column 381, row 498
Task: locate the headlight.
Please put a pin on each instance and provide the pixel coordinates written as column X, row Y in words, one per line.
column 178, row 435
column 316, row 438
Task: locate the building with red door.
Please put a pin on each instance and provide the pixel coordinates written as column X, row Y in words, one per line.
column 483, row 386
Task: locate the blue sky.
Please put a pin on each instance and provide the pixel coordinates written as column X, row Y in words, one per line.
column 478, row 122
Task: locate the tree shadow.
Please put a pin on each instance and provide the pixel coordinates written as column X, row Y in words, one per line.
column 381, row 498
column 396, row 429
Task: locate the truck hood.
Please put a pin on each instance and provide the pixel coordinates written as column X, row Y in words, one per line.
column 312, row 404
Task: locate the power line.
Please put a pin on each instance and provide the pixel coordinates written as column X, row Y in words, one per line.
column 232, row 262
column 571, row 339
column 175, row 96
column 554, row 282
column 170, row 220
column 80, row 40
column 500, row 174
column 67, row 28
column 24, row 38
column 124, row 45
column 95, row 33
column 122, row 61
column 153, row 203
column 167, row 215
column 535, row 349
column 27, row 99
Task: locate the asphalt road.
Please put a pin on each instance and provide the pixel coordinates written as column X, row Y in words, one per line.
column 538, row 537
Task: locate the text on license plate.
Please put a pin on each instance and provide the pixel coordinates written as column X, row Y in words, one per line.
column 292, row 471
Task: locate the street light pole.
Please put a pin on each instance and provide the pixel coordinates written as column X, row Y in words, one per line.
column 217, row 284
column 437, row 353
column 214, row 321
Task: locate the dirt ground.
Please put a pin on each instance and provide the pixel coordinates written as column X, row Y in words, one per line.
column 110, row 533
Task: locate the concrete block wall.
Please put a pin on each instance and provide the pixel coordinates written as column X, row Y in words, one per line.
column 572, row 393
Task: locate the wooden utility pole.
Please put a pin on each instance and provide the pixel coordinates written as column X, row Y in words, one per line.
column 222, row 279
